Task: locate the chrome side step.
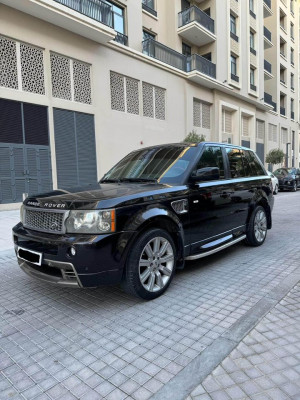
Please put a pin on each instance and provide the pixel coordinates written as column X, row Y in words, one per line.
column 208, row 253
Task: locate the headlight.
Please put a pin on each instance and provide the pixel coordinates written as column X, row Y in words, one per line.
column 101, row 221
column 22, row 213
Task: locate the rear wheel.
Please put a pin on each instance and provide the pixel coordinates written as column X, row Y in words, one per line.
column 150, row 265
column 257, row 228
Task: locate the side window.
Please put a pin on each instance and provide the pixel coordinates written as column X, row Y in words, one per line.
column 247, row 167
column 235, row 158
column 256, row 167
column 211, row 157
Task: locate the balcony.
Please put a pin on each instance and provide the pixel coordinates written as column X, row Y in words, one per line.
column 269, row 100
column 201, row 64
column 267, row 38
column 88, row 18
column 282, row 110
column 148, row 5
column 193, row 63
column 268, row 70
column 196, row 26
column 267, row 8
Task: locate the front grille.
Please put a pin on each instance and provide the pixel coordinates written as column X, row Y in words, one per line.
column 44, row 221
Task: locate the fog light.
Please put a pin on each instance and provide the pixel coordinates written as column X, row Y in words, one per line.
column 72, row 251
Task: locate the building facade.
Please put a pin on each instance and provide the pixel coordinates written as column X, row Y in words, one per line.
column 83, row 82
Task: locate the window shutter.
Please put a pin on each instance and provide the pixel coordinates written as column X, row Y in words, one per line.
column 260, row 129
column 117, row 92
column 205, row 116
column 227, row 122
column 197, row 113
column 245, row 126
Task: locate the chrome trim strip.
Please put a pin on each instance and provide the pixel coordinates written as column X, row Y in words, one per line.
column 30, row 251
column 216, row 242
column 46, row 278
column 208, row 253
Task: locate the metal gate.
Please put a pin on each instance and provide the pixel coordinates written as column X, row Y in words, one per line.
column 23, row 169
column 25, row 163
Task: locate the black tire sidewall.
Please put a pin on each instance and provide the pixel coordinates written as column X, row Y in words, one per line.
column 132, row 280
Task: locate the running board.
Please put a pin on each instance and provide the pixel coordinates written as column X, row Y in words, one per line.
column 208, row 253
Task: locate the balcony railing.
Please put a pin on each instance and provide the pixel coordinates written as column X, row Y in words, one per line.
column 163, row 53
column 267, row 34
column 201, row 64
column 148, row 5
column 252, row 13
column 268, row 66
column 269, row 100
column 252, row 87
column 268, row 3
column 282, row 110
column 95, row 9
column 253, row 51
column 234, row 36
column 292, row 115
column 235, row 78
column 171, row 57
column 121, row 38
column 195, row 14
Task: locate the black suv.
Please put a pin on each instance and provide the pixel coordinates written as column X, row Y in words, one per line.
column 156, row 208
column 288, row 178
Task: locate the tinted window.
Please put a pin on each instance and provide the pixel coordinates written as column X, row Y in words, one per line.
column 256, row 167
column 212, row 157
column 236, row 166
column 247, row 167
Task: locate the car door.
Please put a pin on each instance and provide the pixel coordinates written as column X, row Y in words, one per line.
column 209, row 200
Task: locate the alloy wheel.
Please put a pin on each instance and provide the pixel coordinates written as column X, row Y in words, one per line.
column 260, row 226
column 156, row 264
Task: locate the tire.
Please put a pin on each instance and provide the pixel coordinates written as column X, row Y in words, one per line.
column 294, row 188
column 147, row 276
column 257, row 227
column 276, row 189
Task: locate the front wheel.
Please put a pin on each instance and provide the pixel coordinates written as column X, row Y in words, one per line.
column 294, row 188
column 150, row 265
column 257, row 228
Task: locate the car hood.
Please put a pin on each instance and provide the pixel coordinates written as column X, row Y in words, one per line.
column 104, row 195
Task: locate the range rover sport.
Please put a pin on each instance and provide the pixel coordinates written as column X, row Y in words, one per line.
column 155, row 209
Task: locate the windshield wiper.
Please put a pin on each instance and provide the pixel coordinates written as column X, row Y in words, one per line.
column 138, row 180
column 110, row 181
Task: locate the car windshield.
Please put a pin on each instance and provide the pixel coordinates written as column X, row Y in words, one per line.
column 280, row 172
column 166, row 164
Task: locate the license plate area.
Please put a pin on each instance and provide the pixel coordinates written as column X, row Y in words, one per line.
column 29, row 255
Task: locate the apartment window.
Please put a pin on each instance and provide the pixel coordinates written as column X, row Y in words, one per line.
column 252, row 43
column 245, row 126
column 282, row 74
column 292, row 82
column 124, row 93
column 233, row 68
column 148, row 35
column 186, row 49
column 185, row 4
column 260, row 129
column 292, row 56
column 252, row 79
column 282, row 47
column 233, row 27
column 284, row 135
column 292, row 31
column 292, row 109
column 251, row 8
column 118, row 17
column 282, row 103
column 154, row 101
column 282, row 19
column 227, row 122
column 201, row 114
column 272, row 133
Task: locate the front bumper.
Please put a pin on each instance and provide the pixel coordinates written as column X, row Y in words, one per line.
column 98, row 260
column 288, row 185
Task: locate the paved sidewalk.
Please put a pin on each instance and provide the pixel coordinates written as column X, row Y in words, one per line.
column 7, row 220
column 266, row 364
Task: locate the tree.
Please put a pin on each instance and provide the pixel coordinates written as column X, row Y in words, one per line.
column 193, row 137
column 275, row 156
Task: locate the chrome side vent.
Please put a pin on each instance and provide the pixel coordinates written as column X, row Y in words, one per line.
column 180, row 206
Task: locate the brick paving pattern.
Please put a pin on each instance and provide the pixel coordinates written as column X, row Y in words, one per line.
column 266, row 364
column 63, row 344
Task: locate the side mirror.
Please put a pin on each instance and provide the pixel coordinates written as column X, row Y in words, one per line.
column 206, row 174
